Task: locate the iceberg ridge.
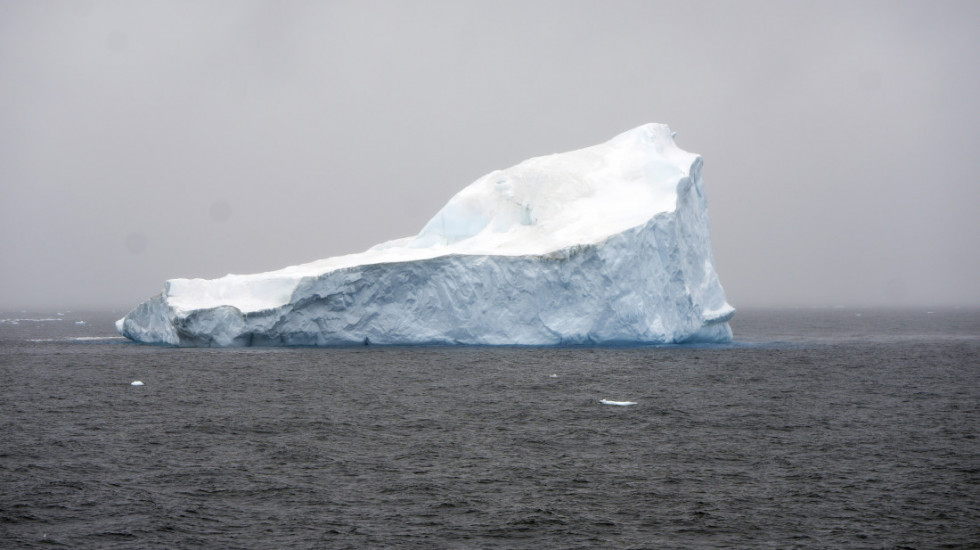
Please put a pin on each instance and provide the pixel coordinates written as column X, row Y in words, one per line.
column 604, row 245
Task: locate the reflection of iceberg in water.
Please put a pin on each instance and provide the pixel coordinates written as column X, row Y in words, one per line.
column 604, row 245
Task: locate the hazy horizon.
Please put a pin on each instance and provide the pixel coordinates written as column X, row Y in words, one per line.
column 142, row 141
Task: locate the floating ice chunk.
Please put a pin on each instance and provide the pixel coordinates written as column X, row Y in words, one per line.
column 617, row 403
column 136, row 383
column 606, row 245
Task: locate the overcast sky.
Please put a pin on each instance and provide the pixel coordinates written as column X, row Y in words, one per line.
column 141, row 141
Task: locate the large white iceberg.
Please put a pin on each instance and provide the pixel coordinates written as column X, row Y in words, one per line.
column 605, row 245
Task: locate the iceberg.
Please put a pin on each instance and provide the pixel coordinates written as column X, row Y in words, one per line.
column 606, row 245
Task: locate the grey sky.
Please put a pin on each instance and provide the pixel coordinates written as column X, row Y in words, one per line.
column 141, row 141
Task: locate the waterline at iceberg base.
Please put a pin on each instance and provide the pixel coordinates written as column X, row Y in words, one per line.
column 604, row 245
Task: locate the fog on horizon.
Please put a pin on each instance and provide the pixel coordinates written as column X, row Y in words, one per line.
column 141, row 141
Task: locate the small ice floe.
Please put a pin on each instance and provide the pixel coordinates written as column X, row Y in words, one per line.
column 18, row 321
column 136, row 383
column 78, row 339
column 617, row 403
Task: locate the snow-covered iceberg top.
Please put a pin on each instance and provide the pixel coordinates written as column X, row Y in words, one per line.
column 541, row 205
column 530, row 217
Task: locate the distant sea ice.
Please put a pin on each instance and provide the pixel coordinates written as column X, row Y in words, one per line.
column 617, row 403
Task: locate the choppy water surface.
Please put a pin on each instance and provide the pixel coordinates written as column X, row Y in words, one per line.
column 820, row 428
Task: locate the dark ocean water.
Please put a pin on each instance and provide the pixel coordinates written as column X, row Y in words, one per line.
column 818, row 429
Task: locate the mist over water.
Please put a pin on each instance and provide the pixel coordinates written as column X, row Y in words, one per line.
column 817, row 428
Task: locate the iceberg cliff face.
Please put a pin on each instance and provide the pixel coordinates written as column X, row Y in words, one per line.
column 604, row 245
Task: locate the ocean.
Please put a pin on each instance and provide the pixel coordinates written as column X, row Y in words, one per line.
column 817, row 428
